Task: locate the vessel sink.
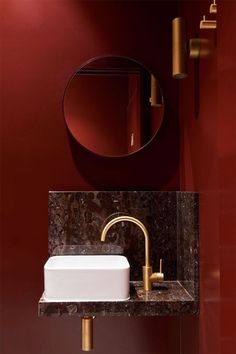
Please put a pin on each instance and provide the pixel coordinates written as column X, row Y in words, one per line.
column 86, row 278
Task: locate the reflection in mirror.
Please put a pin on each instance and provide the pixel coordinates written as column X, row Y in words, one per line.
column 113, row 106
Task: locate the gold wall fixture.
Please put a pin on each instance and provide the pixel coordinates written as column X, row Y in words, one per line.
column 208, row 24
column 213, row 8
column 87, row 333
column 181, row 49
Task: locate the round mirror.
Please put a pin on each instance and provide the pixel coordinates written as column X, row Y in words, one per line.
column 113, row 106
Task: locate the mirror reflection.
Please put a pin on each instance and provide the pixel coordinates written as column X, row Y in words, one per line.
column 113, row 106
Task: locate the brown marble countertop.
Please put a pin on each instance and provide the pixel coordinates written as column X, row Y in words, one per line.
column 168, row 298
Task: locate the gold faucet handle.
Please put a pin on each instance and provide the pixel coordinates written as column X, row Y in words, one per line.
column 159, row 276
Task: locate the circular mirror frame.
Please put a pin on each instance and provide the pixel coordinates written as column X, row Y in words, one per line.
column 72, row 129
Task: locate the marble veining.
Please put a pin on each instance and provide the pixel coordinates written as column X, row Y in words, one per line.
column 75, row 223
column 76, row 218
column 187, row 242
column 87, row 249
column 169, row 298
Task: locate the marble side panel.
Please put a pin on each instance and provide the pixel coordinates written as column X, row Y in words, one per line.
column 187, row 241
column 76, row 218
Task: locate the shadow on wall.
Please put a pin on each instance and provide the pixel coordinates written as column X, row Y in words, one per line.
column 153, row 335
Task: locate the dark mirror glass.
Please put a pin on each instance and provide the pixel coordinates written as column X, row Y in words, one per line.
column 113, row 106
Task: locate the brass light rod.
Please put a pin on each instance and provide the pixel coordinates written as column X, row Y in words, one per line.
column 179, row 52
column 181, row 49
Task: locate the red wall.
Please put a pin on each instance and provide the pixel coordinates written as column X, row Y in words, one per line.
column 208, row 165
column 42, row 44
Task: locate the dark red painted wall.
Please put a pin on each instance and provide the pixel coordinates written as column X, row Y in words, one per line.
column 208, row 165
column 42, row 44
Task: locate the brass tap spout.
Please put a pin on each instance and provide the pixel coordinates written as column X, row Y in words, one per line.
column 148, row 275
column 135, row 221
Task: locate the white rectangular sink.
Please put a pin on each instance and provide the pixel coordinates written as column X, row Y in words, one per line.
column 86, row 278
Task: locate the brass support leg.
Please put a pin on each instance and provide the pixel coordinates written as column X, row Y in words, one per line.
column 87, row 333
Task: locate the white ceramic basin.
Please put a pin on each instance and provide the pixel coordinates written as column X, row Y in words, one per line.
column 86, row 278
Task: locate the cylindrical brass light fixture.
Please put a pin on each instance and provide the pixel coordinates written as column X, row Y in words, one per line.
column 179, row 50
column 87, row 333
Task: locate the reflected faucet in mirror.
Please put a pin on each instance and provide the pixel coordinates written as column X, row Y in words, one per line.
column 148, row 276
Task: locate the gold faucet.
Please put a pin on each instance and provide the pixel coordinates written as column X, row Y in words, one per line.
column 148, row 276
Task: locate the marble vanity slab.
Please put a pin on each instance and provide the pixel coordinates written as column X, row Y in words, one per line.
column 168, row 298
